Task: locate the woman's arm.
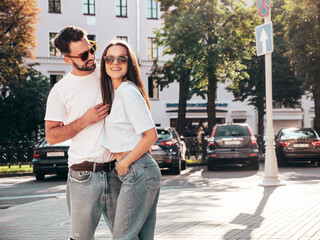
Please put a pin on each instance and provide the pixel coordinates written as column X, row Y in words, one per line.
column 149, row 138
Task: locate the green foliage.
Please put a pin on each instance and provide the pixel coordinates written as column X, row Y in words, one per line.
column 22, row 111
column 302, row 19
column 213, row 36
column 17, row 40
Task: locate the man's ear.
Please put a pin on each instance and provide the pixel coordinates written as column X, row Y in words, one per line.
column 67, row 60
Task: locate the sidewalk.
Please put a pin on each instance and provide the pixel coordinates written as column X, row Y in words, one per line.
column 228, row 206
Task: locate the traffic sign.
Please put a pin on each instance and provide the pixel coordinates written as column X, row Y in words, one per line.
column 264, row 39
column 263, row 7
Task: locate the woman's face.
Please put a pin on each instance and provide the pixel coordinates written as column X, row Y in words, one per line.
column 116, row 62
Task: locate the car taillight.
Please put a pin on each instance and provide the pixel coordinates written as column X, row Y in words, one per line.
column 172, row 142
column 284, row 143
column 36, row 154
column 253, row 138
column 211, row 141
column 316, row 143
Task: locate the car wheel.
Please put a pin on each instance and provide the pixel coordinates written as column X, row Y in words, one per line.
column 280, row 162
column 183, row 165
column 39, row 176
column 255, row 165
column 211, row 166
column 176, row 169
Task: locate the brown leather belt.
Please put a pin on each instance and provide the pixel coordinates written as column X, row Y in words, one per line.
column 89, row 166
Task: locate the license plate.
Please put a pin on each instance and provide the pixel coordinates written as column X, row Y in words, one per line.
column 55, row 154
column 232, row 142
column 158, row 152
column 155, row 147
column 301, row 145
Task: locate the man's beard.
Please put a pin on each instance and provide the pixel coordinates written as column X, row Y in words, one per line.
column 85, row 67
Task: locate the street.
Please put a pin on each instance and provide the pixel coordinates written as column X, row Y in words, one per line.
column 226, row 204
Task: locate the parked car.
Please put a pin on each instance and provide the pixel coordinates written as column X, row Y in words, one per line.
column 297, row 145
column 50, row 159
column 169, row 150
column 232, row 144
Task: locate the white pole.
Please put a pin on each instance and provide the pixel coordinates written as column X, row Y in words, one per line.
column 271, row 177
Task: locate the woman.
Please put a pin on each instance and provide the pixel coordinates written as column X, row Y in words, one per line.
column 130, row 133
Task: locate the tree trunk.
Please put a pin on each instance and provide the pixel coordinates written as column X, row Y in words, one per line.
column 260, row 122
column 183, row 88
column 211, row 106
column 316, row 122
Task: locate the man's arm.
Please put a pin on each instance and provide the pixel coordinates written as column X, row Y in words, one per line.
column 56, row 132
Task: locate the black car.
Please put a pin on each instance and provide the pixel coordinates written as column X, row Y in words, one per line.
column 232, row 144
column 169, row 150
column 50, row 159
column 297, row 145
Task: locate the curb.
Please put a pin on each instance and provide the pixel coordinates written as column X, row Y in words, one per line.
column 16, row 174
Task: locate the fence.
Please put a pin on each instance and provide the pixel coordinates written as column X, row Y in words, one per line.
column 16, row 153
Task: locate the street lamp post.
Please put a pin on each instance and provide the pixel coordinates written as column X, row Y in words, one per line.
column 271, row 177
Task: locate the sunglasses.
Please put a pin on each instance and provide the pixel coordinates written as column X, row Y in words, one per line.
column 110, row 59
column 84, row 56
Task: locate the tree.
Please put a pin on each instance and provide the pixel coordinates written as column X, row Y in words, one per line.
column 302, row 19
column 214, row 36
column 17, row 40
column 287, row 88
column 22, row 112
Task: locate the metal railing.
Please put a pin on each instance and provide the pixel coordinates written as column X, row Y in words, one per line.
column 16, row 153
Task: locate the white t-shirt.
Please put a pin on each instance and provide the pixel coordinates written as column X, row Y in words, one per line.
column 68, row 100
column 128, row 119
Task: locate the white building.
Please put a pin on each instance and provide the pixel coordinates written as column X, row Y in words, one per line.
column 134, row 21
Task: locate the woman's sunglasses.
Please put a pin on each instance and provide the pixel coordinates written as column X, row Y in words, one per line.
column 110, row 59
column 84, row 56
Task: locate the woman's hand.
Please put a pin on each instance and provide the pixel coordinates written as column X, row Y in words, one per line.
column 122, row 168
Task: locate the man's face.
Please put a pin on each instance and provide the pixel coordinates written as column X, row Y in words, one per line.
column 77, row 49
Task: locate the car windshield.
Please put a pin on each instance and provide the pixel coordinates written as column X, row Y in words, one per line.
column 298, row 133
column 232, row 130
column 164, row 134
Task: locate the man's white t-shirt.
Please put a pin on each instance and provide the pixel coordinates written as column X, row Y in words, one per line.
column 68, row 100
column 128, row 119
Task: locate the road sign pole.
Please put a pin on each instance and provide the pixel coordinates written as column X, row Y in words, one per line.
column 271, row 177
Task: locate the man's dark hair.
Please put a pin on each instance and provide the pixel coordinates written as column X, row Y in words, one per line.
column 67, row 35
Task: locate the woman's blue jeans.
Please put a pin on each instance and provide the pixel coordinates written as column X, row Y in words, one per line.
column 137, row 202
column 90, row 194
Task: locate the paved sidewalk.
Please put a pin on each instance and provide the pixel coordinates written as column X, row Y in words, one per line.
column 226, row 207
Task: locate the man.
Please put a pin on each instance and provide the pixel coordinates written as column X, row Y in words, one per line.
column 75, row 110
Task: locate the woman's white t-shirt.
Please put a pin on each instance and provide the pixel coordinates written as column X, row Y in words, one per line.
column 128, row 119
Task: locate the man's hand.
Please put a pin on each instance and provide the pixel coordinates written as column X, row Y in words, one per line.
column 96, row 113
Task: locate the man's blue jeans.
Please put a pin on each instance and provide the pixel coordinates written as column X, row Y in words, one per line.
column 90, row 194
column 136, row 208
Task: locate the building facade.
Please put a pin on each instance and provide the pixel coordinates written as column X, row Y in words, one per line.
column 134, row 21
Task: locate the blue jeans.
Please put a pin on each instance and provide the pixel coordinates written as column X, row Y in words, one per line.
column 90, row 194
column 137, row 202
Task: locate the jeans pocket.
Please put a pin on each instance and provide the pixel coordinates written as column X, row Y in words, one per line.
column 153, row 176
column 80, row 176
column 128, row 175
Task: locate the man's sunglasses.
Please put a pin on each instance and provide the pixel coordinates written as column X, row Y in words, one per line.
column 84, row 56
column 110, row 59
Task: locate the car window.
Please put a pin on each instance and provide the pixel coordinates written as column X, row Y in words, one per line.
column 164, row 134
column 298, row 133
column 232, row 130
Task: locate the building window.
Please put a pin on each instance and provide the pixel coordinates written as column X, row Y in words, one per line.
column 121, row 8
column 152, row 9
column 88, row 7
column 91, row 37
column 53, row 51
column 153, row 88
column 239, row 120
column 122, row 38
column 54, row 6
column 152, row 49
column 54, row 78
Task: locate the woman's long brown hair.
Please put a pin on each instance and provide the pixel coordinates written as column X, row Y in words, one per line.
column 133, row 74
